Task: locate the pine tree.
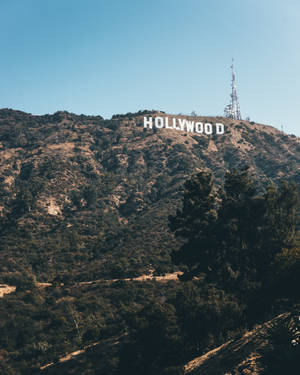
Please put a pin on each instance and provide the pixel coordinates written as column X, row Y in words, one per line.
column 194, row 223
column 239, row 230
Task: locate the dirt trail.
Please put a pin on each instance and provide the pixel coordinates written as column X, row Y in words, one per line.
column 72, row 355
column 165, row 278
column 6, row 289
column 69, row 356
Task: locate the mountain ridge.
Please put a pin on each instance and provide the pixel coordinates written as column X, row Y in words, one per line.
column 88, row 186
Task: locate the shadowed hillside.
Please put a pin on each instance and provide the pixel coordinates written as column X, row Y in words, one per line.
column 254, row 352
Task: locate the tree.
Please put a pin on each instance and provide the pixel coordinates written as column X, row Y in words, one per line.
column 207, row 317
column 234, row 236
column 239, row 231
column 282, row 217
column 194, row 223
column 154, row 346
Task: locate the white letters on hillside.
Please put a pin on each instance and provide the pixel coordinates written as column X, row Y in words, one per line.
column 184, row 125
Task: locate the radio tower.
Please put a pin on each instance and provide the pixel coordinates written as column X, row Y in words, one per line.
column 232, row 110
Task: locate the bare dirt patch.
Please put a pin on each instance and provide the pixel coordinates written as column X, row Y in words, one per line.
column 6, row 289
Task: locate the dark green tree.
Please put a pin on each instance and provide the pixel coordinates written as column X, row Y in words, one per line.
column 234, row 236
column 239, row 230
column 194, row 223
column 207, row 316
column 282, row 217
column 155, row 343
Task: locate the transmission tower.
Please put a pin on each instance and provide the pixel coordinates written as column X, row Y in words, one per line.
column 232, row 110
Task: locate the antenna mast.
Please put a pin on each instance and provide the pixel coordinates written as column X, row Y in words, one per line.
column 232, row 110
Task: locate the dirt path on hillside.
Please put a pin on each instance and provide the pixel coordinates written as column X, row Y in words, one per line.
column 69, row 356
column 165, row 278
column 6, row 289
column 74, row 354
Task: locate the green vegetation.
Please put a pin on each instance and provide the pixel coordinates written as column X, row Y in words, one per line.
column 233, row 235
column 234, row 239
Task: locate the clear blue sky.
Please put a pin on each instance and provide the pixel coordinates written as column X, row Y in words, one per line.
column 116, row 56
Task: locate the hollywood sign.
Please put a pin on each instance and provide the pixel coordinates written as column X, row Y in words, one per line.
column 183, row 125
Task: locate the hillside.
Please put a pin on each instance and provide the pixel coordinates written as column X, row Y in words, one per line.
column 254, row 352
column 84, row 198
column 85, row 246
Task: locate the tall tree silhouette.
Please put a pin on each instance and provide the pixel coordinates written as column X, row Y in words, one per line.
column 233, row 235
